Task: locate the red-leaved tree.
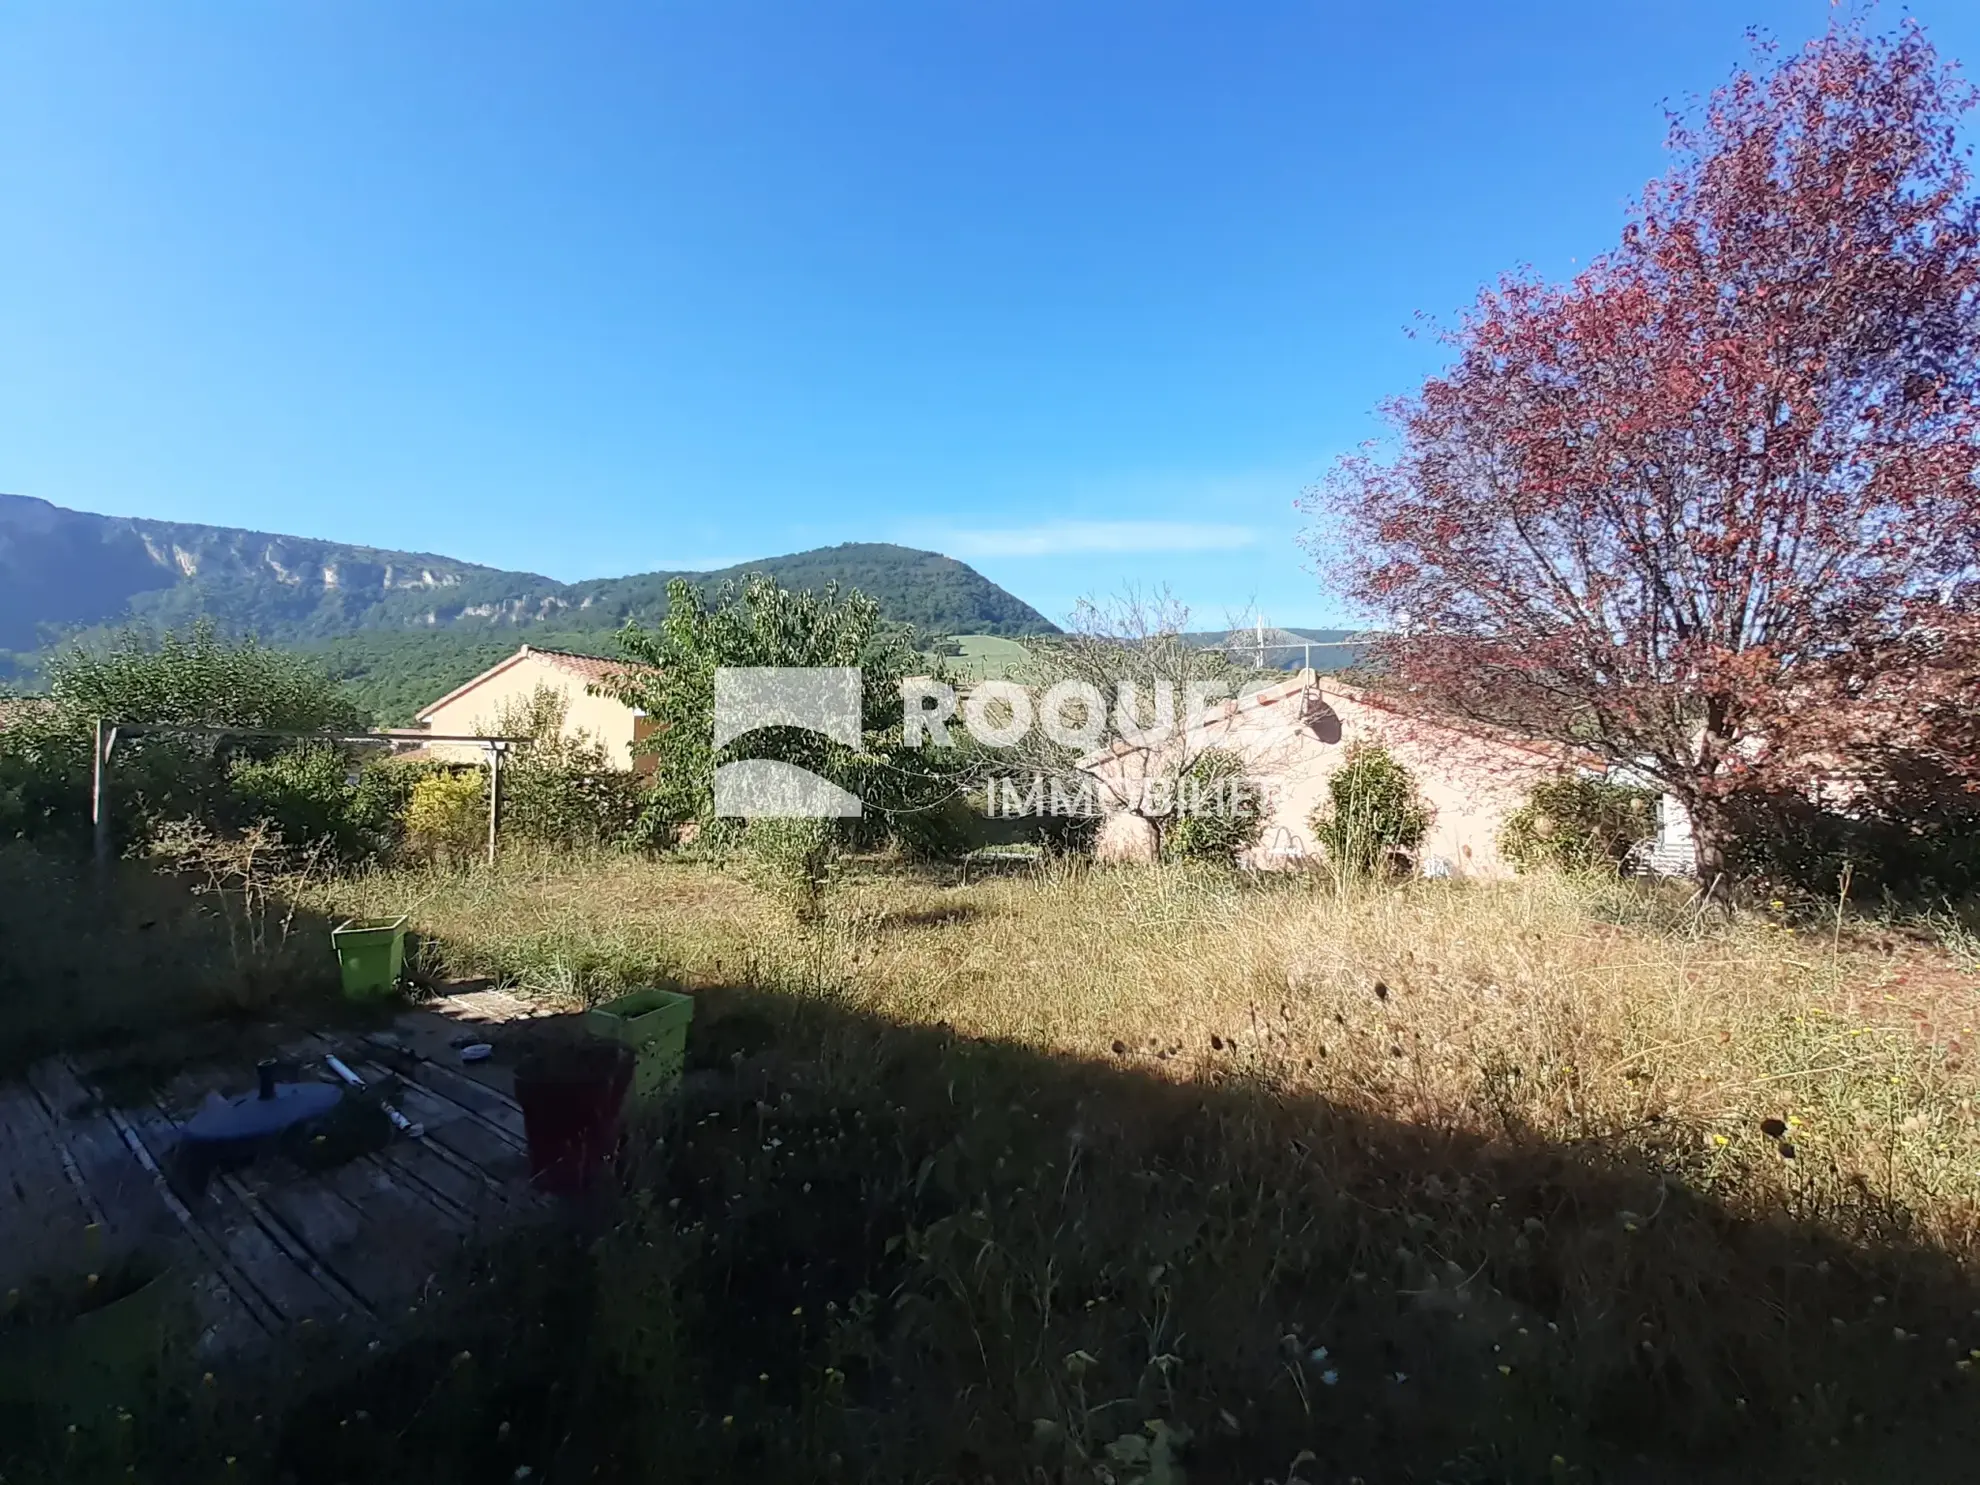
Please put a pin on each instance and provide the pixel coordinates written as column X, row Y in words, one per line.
column 1688, row 508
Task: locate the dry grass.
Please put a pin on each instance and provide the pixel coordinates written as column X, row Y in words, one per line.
column 1567, row 1011
column 1536, row 1180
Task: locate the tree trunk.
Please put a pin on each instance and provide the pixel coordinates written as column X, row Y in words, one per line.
column 1711, row 841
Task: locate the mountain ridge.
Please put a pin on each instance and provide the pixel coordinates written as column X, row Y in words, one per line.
column 63, row 571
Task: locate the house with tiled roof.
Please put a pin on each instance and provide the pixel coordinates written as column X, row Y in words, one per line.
column 470, row 709
column 1294, row 735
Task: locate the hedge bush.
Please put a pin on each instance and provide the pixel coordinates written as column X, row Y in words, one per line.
column 1577, row 823
column 447, row 816
column 1372, row 819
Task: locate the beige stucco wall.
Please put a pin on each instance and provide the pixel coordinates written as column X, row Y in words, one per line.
column 1294, row 744
column 608, row 722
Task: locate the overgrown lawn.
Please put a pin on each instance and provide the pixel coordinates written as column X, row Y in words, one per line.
column 1113, row 1172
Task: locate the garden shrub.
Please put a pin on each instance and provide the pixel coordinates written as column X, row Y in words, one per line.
column 561, row 807
column 1911, row 837
column 1217, row 811
column 562, row 789
column 1576, row 823
column 44, row 775
column 384, row 793
column 190, row 678
column 447, row 816
column 794, row 860
column 1373, row 816
column 320, row 793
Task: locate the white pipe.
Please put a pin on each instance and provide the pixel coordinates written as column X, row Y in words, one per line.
column 404, row 1125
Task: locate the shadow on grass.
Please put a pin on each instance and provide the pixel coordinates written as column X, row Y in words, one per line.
column 856, row 1251
column 945, row 916
column 84, row 964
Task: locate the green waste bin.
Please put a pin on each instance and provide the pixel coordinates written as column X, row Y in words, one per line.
column 371, row 953
column 654, row 1023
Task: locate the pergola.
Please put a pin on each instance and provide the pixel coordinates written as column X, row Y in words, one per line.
column 109, row 734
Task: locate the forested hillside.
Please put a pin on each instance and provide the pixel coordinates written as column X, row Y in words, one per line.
column 392, row 673
column 66, row 572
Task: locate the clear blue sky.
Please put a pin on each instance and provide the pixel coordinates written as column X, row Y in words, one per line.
column 1084, row 294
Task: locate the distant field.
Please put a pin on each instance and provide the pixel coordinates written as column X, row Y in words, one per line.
column 985, row 657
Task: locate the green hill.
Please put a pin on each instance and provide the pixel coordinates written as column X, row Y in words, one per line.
column 936, row 594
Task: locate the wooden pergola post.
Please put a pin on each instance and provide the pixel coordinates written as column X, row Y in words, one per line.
column 99, row 800
column 495, row 750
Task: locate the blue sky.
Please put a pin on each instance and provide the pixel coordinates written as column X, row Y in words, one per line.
column 1083, row 294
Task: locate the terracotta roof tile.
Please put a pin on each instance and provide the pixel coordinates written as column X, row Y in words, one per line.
column 591, row 667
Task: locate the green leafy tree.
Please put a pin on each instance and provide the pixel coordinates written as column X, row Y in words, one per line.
column 1372, row 816
column 196, row 677
column 1577, row 823
column 193, row 678
column 757, row 623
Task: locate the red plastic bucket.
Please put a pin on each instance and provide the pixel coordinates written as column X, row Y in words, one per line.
column 571, row 1097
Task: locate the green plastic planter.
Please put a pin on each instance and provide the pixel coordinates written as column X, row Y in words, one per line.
column 654, row 1023
column 102, row 1356
column 371, row 953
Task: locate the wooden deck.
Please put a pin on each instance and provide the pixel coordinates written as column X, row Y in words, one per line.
column 90, row 1154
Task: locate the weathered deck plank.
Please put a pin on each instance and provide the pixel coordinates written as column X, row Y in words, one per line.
column 115, row 1184
column 502, row 1114
column 461, row 1155
column 469, row 1141
column 277, row 1242
column 290, row 1242
column 380, row 1225
column 425, row 1167
column 431, row 1036
column 268, row 1275
column 41, row 1211
column 470, row 1191
column 245, row 1195
column 230, row 1298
